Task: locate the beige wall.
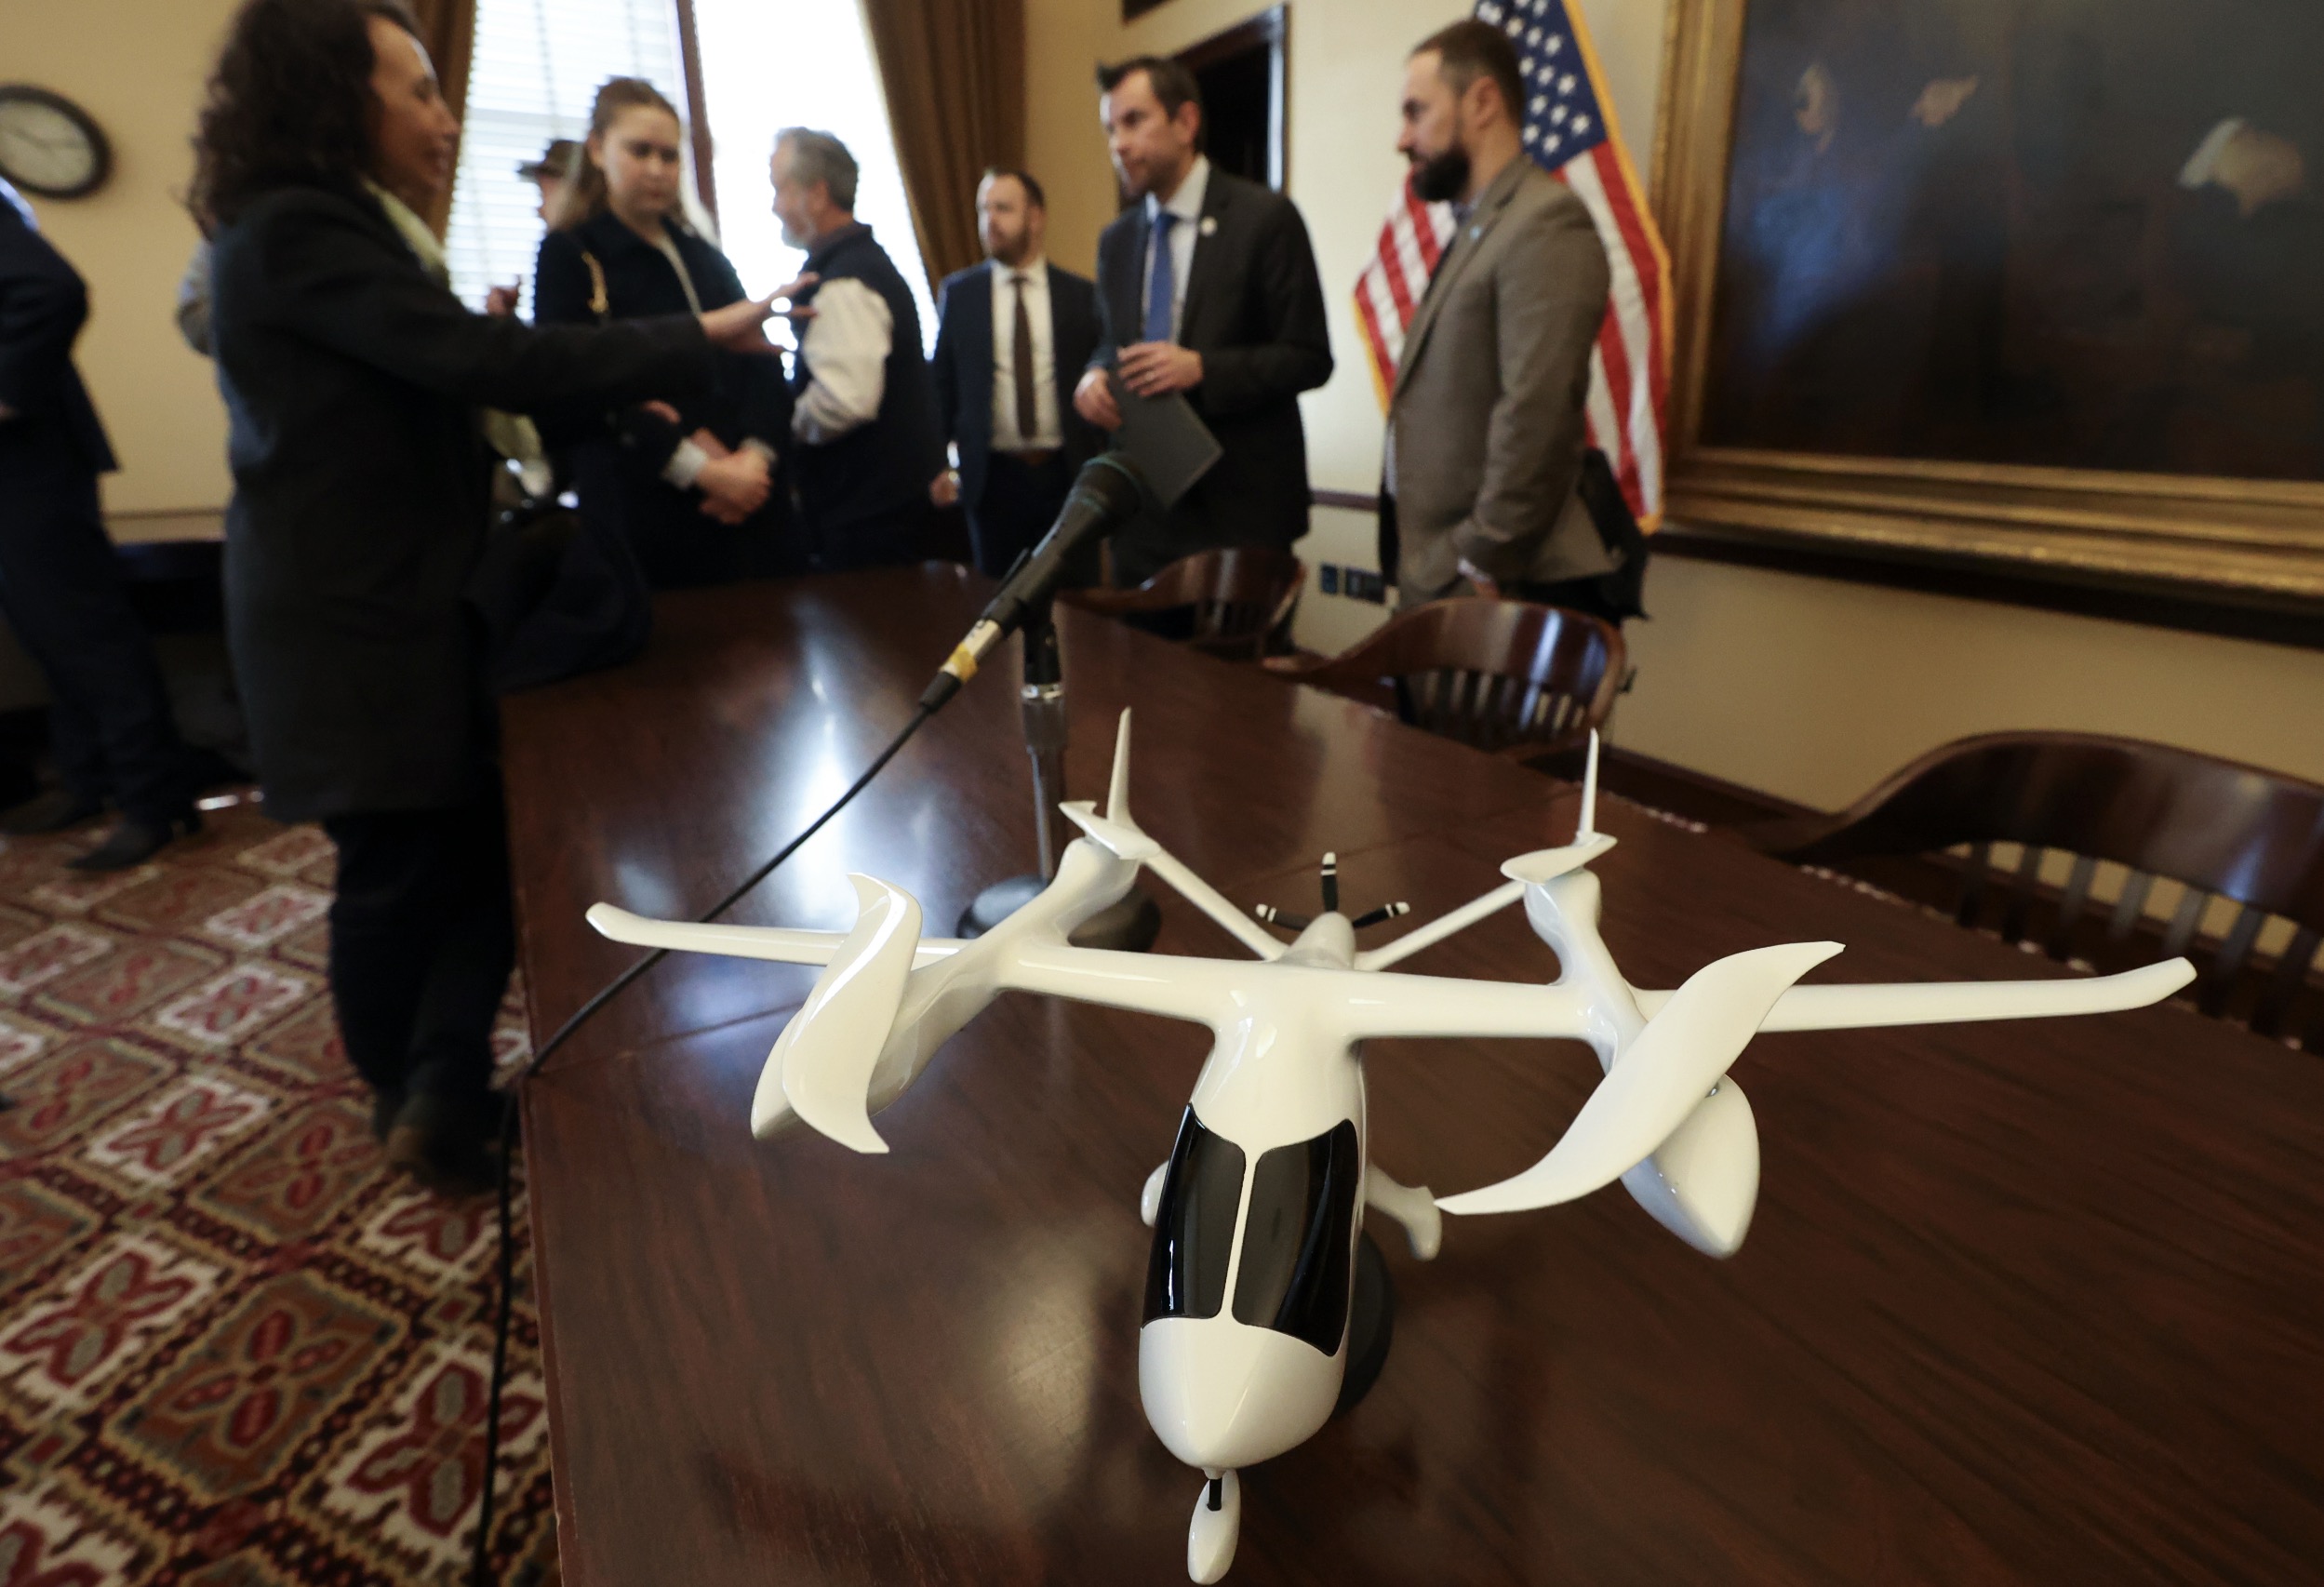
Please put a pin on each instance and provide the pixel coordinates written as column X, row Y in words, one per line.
column 1805, row 687
column 138, row 67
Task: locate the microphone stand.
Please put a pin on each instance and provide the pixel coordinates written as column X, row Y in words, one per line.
column 1129, row 925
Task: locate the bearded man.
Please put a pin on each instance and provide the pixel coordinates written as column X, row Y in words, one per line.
column 1012, row 337
column 1486, row 432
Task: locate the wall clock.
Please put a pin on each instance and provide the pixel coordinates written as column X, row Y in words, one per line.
column 50, row 146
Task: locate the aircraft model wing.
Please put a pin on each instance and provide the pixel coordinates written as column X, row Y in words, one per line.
column 1958, row 1002
column 1658, row 1080
column 822, row 1062
column 776, row 943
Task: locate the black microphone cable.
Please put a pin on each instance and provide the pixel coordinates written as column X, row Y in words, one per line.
column 480, row 1559
column 1109, row 487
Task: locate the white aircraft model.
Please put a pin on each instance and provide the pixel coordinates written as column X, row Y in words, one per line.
column 1263, row 1310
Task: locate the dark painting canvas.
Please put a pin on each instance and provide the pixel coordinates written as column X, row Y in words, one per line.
column 2080, row 233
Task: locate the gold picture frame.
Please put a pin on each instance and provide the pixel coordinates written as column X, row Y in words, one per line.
column 2220, row 540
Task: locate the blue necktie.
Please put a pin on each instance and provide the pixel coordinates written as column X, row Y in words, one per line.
column 1161, row 285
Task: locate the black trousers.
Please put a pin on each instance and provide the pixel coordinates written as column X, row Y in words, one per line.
column 1019, row 502
column 422, row 941
column 895, row 538
column 110, row 727
column 1585, row 595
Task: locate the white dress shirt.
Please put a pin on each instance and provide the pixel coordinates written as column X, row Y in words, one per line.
column 1047, row 432
column 845, row 349
column 1186, row 203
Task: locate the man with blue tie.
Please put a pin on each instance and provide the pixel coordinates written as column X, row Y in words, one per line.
column 1206, row 287
column 1012, row 335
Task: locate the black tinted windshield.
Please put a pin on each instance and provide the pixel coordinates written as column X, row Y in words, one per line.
column 1194, row 1228
column 1296, row 1239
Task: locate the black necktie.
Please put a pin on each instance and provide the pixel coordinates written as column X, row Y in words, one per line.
column 1028, row 412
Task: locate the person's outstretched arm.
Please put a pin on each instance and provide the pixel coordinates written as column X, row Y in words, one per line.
column 324, row 270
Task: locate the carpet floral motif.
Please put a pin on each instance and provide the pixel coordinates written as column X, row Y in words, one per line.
column 235, row 1350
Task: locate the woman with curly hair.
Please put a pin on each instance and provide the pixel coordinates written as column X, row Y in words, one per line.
column 355, row 384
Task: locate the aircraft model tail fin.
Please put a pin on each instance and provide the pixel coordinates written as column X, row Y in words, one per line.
column 1542, row 865
column 1657, row 1081
column 821, row 1065
column 1117, row 788
column 1587, row 826
column 1118, row 833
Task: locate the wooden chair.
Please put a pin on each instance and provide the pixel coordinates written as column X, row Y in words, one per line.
column 1235, row 600
column 2220, row 829
column 1521, row 680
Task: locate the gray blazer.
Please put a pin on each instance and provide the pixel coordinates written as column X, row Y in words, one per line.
column 1487, row 417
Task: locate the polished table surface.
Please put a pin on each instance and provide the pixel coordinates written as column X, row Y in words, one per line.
column 2034, row 1302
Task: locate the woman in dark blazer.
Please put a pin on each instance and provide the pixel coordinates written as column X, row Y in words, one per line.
column 693, row 484
column 353, row 382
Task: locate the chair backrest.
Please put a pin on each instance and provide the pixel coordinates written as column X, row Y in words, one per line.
column 1233, row 598
column 2220, row 830
column 1511, row 676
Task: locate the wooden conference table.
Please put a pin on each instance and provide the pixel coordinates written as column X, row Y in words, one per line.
column 2035, row 1302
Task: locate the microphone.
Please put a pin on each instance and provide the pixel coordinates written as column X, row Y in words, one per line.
column 1110, row 491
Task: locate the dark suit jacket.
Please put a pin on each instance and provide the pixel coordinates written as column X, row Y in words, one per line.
column 352, row 381
column 1254, row 311
column 963, row 366
column 43, row 305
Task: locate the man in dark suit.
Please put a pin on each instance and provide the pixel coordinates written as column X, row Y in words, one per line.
column 1206, row 287
column 111, row 728
column 1006, row 399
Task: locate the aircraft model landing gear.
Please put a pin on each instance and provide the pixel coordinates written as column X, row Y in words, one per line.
column 1217, row 1522
column 1371, row 1326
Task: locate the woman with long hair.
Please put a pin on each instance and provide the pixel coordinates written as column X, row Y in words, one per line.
column 693, row 484
column 355, row 384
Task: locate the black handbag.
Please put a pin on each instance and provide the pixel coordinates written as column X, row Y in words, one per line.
column 557, row 589
column 558, row 593
column 1624, row 590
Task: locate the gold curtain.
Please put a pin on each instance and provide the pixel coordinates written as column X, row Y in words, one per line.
column 955, row 74
column 448, row 30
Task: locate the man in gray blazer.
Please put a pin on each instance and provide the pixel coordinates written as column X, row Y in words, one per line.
column 1485, row 428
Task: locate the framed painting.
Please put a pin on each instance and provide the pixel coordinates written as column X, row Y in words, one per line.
column 2035, row 285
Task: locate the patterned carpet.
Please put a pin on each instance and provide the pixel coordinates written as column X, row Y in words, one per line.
column 235, row 1350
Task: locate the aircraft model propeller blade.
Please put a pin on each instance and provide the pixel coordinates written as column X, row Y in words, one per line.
column 822, row 1062
column 1657, row 1081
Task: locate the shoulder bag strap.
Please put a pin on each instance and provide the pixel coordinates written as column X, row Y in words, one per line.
column 599, row 304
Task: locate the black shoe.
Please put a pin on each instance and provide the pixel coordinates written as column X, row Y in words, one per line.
column 442, row 1145
column 134, row 842
column 53, row 811
column 385, row 1105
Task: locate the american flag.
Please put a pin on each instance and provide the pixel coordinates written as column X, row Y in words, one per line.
column 1569, row 131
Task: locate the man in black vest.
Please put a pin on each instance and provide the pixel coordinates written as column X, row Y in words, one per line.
column 110, row 725
column 1012, row 336
column 1207, row 286
column 865, row 415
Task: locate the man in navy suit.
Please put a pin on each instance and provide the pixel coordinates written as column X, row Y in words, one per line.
column 1207, row 286
column 110, row 725
column 1006, row 399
